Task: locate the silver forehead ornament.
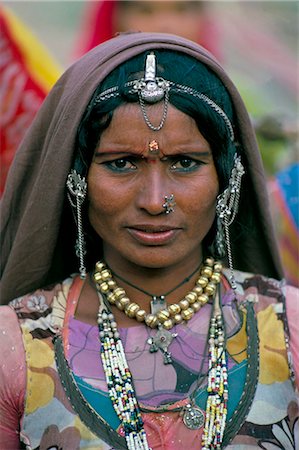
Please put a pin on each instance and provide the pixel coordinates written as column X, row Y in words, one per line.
column 152, row 89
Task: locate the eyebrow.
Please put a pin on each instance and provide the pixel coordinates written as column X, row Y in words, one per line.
column 171, row 155
column 198, row 153
column 116, row 152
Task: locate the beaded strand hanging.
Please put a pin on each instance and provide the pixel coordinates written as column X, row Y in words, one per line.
column 118, row 376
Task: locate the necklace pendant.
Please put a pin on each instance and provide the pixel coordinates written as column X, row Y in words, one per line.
column 193, row 417
column 158, row 302
column 161, row 341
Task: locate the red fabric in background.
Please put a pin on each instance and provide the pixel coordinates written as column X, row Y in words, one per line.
column 98, row 25
column 20, row 98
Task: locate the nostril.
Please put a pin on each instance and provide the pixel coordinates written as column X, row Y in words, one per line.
column 152, row 202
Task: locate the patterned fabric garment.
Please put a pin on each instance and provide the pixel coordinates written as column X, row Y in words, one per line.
column 65, row 404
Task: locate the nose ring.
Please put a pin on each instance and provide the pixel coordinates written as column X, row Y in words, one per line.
column 169, row 204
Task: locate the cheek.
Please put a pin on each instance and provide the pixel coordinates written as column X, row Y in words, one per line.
column 100, row 198
column 107, row 197
column 201, row 199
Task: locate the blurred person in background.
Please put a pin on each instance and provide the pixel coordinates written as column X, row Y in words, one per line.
column 102, row 19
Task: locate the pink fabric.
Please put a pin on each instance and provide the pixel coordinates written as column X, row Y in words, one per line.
column 12, row 379
column 13, row 374
column 292, row 307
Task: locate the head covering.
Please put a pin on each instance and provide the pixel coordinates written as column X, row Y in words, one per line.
column 35, row 249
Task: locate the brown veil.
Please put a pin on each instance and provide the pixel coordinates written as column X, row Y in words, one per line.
column 34, row 231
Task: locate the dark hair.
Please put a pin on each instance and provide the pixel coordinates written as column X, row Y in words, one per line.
column 178, row 68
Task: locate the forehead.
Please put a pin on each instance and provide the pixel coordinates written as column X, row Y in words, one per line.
column 128, row 127
column 129, row 119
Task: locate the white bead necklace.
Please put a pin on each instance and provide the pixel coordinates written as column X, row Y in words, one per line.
column 121, row 390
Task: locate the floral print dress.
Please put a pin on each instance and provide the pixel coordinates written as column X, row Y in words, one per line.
column 58, row 399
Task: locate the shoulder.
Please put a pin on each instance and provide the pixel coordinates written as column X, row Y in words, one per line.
column 265, row 287
column 292, row 309
column 40, row 301
column 38, row 306
column 264, row 291
column 277, row 307
column 12, row 367
column 259, row 288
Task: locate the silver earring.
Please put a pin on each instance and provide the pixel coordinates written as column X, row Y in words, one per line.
column 169, row 204
column 77, row 187
column 226, row 210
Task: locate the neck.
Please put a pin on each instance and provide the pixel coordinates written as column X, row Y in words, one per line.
column 174, row 281
column 162, row 315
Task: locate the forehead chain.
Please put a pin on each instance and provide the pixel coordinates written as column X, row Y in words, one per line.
column 152, row 89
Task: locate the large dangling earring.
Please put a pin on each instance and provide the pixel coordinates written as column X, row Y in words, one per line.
column 226, row 211
column 77, row 187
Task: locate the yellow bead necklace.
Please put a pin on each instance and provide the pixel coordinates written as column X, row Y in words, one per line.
column 184, row 310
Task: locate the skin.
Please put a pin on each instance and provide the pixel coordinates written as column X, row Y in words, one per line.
column 183, row 17
column 126, row 189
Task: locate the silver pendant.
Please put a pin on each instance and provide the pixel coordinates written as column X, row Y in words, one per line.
column 152, row 89
column 161, row 341
column 193, row 417
column 158, row 302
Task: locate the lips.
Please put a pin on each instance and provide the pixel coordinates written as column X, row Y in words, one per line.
column 153, row 235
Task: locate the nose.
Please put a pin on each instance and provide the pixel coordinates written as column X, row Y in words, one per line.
column 153, row 190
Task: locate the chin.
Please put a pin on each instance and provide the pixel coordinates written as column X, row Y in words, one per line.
column 158, row 258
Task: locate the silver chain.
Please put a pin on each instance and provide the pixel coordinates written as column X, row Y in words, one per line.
column 114, row 92
column 146, row 118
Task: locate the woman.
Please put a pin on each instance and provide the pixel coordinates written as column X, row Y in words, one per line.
column 143, row 155
column 102, row 19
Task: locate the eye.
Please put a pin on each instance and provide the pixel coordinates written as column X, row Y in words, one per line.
column 120, row 165
column 185, row 164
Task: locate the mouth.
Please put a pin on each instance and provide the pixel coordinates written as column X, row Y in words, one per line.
column 153, row 235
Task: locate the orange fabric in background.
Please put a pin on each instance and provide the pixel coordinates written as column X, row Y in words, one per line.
column 27, row 73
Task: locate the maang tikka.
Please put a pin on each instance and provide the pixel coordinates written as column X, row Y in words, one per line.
column 152, row 89
column 226, row 211
column 77, row 188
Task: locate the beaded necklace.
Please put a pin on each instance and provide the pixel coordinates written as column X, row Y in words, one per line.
column 119, row 378
column 158, row 302
column 205, row 287
column 163, row 319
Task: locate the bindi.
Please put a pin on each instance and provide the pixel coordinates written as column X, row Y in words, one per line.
column 153, row 147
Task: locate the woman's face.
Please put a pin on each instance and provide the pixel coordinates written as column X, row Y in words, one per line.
column 127, row 185
column 183, row 17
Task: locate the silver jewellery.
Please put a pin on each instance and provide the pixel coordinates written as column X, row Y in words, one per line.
column 166, row 318
column 119, row 378
column 169, row 204
column 152, row 89
column 226, row 210
column 188, row 90
column 77, row 187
